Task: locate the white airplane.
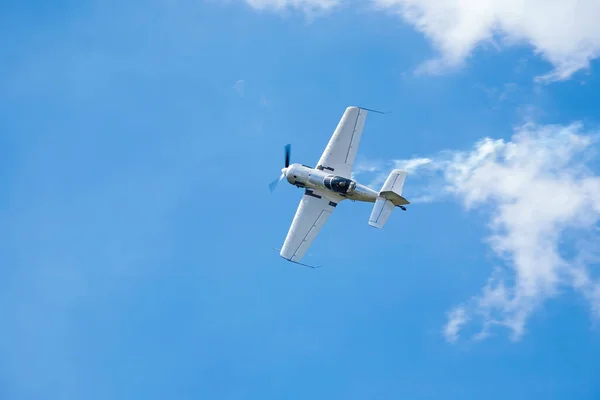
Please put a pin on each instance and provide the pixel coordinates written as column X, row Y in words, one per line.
column 330, row 182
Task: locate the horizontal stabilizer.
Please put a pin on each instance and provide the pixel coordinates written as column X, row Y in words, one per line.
column 381, row 212
column 395, row 198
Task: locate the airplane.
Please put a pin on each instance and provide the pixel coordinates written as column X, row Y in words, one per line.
column 330, row 182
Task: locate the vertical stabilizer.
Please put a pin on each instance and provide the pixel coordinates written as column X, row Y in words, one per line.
column 389, row 197
column 381, row 212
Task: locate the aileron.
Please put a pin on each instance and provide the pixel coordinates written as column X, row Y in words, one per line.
column 312, row 213
column 340, row 153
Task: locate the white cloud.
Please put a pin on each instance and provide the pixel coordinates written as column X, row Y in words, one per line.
column 239, row 86
column 456, row 319
column 363, row 166
column 413, row 164
column 308, row 6
column 538, row 188
column 564, row 32
column 265, row 102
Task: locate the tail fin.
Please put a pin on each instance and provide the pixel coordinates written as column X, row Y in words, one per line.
column 389, row 197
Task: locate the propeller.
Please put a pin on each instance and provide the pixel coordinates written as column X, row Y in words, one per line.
column 273, row 185
column 287, row 154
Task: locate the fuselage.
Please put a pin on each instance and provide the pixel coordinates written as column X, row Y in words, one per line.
column 336, row 187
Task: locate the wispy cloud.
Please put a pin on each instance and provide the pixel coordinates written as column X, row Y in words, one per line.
column 363, row 166
column 265, row 102
column 565, row 33
column 414, row 164
column 537, row 187
column 239, row 87
column 499, row 94
column 378, row 171
column 457, row 317
column 307, row 6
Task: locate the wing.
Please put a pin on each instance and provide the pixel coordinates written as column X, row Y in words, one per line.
column 340, row 152
column 311, row 215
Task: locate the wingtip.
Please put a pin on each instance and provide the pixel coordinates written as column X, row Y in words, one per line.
column 299, row 263
column 373, row 110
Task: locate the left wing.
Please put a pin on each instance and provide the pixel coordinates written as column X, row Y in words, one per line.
column 311, row 215
column 341, row 150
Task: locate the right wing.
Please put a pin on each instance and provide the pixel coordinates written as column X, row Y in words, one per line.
column 341, row 150
column 311, row 215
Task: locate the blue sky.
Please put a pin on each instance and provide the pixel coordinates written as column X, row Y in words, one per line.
column 137, row 226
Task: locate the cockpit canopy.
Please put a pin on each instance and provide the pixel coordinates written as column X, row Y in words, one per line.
column 339, row 184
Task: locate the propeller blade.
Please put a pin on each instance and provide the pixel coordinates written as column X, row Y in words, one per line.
column 273, row 185
column 287, row 155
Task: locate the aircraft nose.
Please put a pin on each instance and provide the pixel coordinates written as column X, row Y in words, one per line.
column 288, row 173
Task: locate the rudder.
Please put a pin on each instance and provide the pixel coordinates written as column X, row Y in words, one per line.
column 381, row 212
column 390, row 196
